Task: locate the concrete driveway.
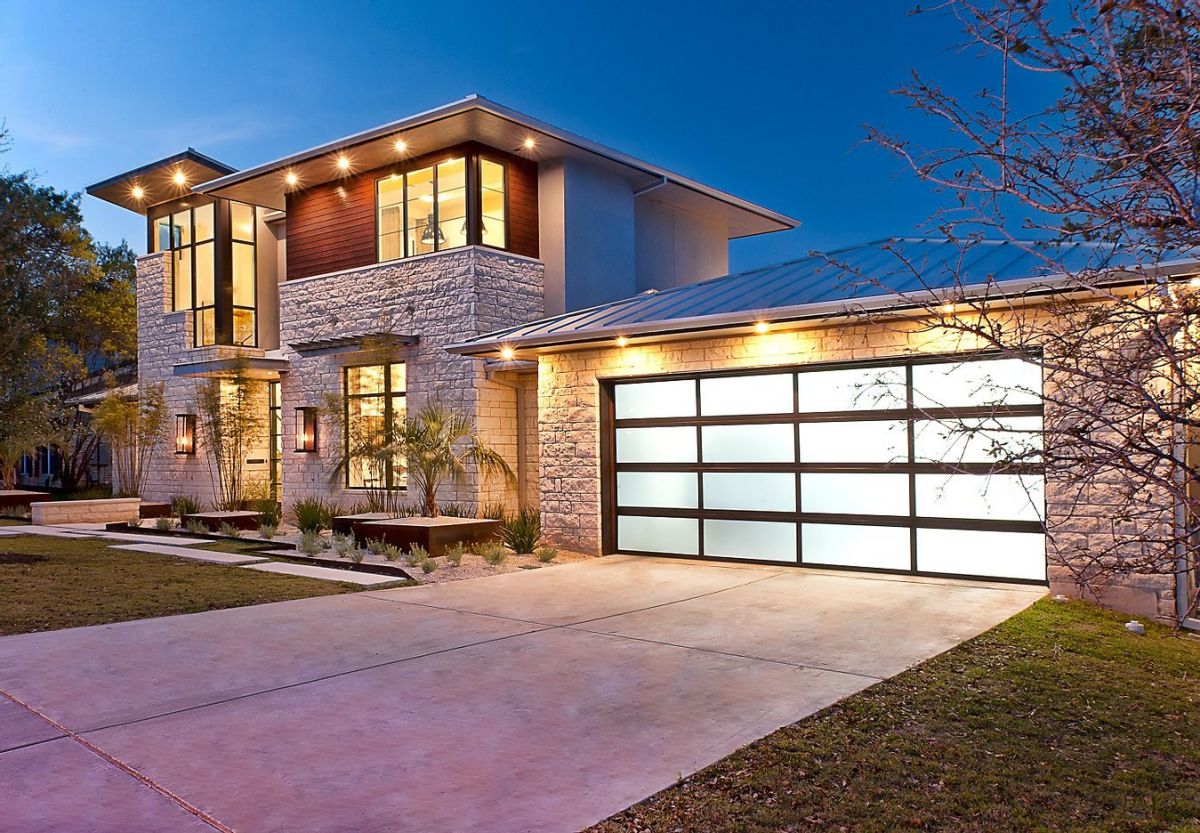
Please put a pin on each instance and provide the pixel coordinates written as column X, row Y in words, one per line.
column 533, row 701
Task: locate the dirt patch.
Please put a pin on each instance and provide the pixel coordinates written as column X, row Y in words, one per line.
column 20, row 558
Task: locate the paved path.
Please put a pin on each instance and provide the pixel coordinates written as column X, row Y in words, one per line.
column 535, row 701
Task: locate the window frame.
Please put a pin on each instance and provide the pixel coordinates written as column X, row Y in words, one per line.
column 388, row 395
column 472, row 159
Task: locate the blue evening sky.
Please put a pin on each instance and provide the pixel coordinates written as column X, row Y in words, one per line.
column 764, row 100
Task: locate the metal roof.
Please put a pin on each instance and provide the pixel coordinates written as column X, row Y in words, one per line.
column 478, row 118
column 881, row 274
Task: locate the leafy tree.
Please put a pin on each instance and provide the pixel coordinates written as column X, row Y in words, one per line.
column 134, row 427
column 232, row 424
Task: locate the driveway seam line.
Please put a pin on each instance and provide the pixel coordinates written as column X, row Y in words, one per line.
column 128, row 769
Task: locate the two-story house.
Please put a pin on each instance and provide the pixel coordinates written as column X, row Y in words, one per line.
column 574, row 302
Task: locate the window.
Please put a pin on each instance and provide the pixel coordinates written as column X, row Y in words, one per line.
column 429, row 209
column 243, row 230
column 375, row 403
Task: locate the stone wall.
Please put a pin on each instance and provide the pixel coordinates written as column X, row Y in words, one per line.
column 441, row 298
column 569, row 438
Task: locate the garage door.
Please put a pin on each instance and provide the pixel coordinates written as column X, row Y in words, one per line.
column 923, row 467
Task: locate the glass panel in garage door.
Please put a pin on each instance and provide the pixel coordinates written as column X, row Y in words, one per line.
column 752, row 491
column 645, row 400
column 729, row 395
column 875, row 441
column 749, row 443
column 675, row 536
column 854, row 494
column 1019, row 555
column 881, row 547
column 757, row 540
column 976, row 384
column 996, row 497
column 991, row 440
column 852, row 389
column 670, row 490
column 656, row 445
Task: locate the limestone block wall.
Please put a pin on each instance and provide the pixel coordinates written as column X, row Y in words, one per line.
column 1079, row 517
column 442, row 299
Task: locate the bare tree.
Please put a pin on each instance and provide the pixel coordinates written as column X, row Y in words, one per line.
column 134, row 427
column 1109, row 167
column 232, row 414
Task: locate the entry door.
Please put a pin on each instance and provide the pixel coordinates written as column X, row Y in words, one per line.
column 889, row 467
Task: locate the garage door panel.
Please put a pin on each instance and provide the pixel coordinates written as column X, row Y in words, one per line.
column 834, row 467
column 753, row 540
column 852, row 545
column 1019, row 555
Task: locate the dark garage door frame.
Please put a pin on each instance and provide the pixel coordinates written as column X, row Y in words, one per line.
column 911, row 414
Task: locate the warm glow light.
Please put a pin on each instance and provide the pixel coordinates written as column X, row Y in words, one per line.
column 401, row 146
column 761, row 327
column 506, row 353
column 138, row 192
column 343, row 162
column 291, row 178
column 530, row 143
column 622, row 341
column 948, row 308
column 1195, row 282
column 180, row 178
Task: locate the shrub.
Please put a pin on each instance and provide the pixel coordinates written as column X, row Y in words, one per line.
column 546, row 554
column 493, row 554
column 390, row 551
column 270, row 514
column 455, row 510
column 184, row 505
column 313, row 514
column 311, row 543
column 162, row 524
column 428, row 566
column 229, row 531
column 344, row 545
column 454, row 555
column 134, row 522
column 268, row 531
column 522, row 532
column 356, row 555
column 196, row 528
column 492, row 511
column 417, row 554
column 376, row 545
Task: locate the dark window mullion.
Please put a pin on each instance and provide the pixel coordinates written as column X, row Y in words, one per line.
column 912, row 458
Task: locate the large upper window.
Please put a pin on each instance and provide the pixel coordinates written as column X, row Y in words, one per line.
column 431, row 209
column 210, row 247
column 375, row 404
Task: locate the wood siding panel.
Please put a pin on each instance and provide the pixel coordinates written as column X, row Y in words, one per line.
column 331, row 226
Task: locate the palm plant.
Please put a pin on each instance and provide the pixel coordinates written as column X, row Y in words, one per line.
column 435, row 445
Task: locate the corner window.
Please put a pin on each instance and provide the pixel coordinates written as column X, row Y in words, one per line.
column 243, row 230
column 451, row 204
column 375, row 404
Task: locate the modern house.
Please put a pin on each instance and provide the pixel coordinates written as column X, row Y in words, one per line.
column 576, row 303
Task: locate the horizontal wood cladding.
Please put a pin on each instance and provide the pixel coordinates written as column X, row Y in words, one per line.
column 331, row 226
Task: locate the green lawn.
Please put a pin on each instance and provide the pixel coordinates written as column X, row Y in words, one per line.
column 1055, row 720
column 49, row 583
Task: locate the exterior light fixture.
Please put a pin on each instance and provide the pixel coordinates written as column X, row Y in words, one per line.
column 506, row 353
column 185, row 434
column 343, row 162
column 180, row 178
column 306, row 429
column 530, row 143
column 948, row 308
column 138, row 192
column 401, row 146
column 761, row 327
column 622, row 341
column 291, row 178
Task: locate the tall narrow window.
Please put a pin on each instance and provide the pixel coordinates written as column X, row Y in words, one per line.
column 493, row 202
column 375, row 404
column 243, row 230
column 204, row 276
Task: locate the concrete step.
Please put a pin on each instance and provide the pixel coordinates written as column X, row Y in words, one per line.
column 324, row 573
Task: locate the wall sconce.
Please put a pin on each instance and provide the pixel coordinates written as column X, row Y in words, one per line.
column 306, row 429
column 185, row 434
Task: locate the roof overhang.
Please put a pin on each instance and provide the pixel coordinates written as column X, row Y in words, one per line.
column 157, row 180
column 353, row 344
column 258, row 367
column 745, row 322
column 477, row 119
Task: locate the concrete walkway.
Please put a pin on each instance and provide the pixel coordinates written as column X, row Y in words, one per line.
column 534, row 701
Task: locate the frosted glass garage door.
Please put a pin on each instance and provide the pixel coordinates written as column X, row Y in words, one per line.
column 930, row 467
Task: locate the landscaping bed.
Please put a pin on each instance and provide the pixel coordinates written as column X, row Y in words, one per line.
column 1058, row 719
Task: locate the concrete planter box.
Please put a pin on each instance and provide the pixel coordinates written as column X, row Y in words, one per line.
column 213, row 520
column 13, row 498
column 106, row 510
column 434, row 534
